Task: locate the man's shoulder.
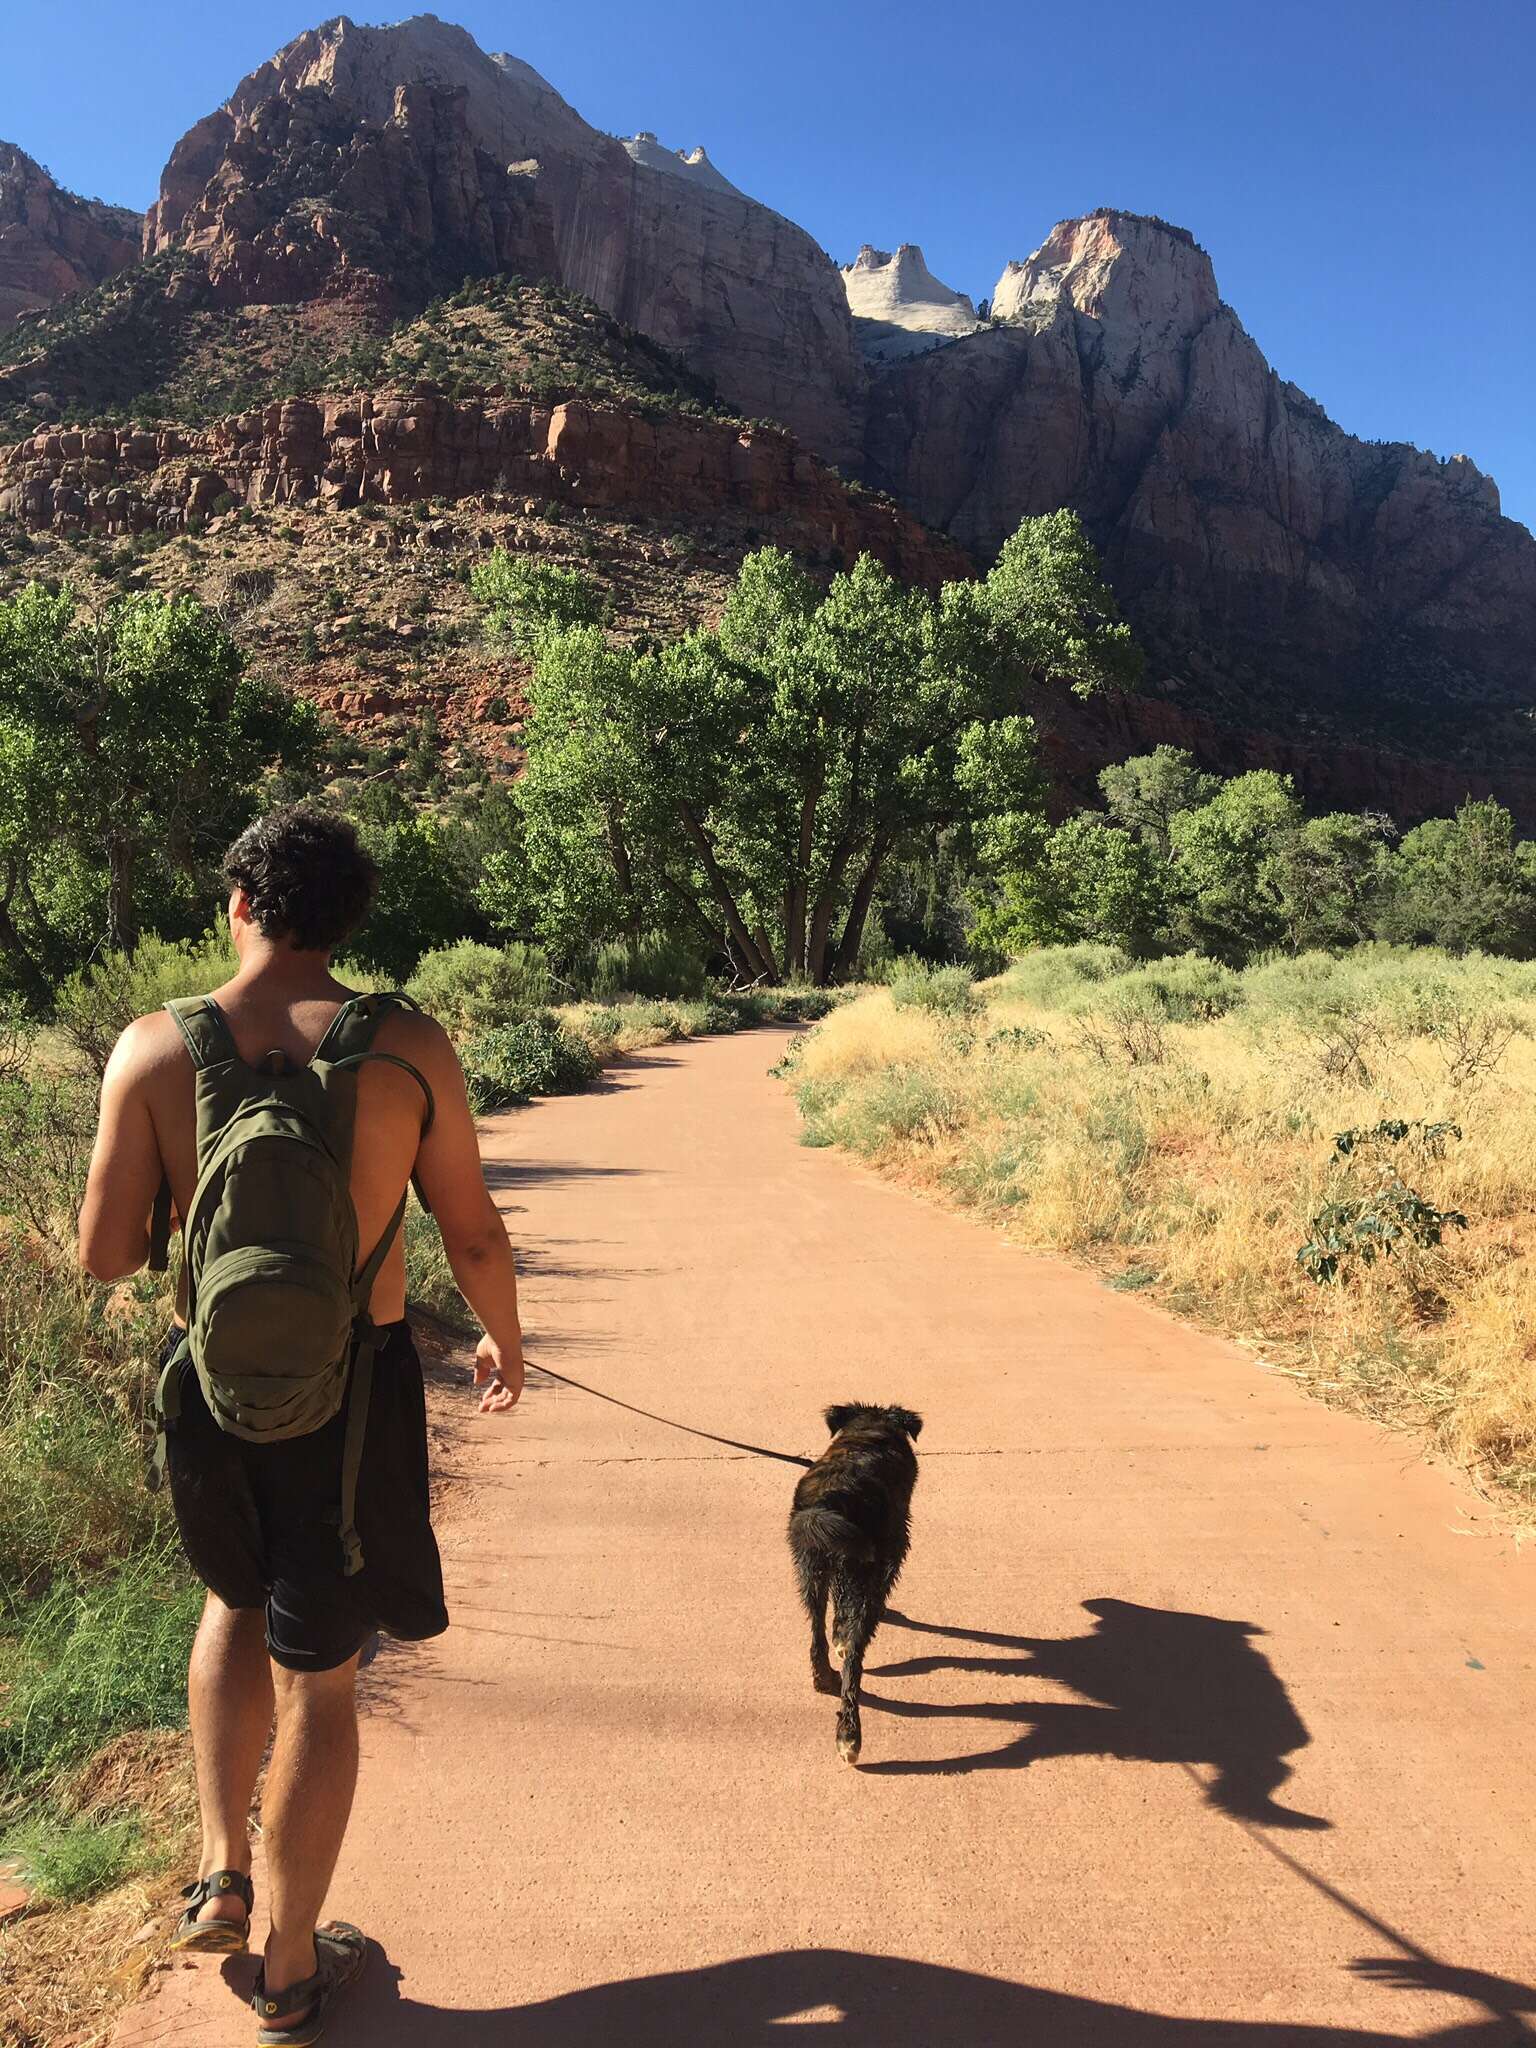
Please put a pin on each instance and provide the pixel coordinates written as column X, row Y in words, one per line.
column 149, row 1044
column 413, row 1035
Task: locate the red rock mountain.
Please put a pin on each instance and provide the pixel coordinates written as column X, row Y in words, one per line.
column 383, row 160
column 1276, row 566
column 1306, row 597
column 51, row 241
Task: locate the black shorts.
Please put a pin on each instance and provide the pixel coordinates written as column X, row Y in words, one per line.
column 260, row 1523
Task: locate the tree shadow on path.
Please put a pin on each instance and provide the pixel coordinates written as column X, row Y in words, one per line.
column 849, row 2000
column 1173, row 1687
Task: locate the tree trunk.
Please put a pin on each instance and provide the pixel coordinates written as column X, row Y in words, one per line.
column 122, row 929
column 800, row 888
column 618, row 853
column 858, row 911
column 26, row 970
column 736, row 924
column 825, row 910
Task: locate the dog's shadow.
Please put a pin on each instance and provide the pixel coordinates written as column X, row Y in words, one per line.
column 1164, row 1687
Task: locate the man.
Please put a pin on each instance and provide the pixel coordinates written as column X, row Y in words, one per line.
column 284, row 1621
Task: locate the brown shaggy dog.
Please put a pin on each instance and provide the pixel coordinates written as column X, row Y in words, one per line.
column 848, row 1533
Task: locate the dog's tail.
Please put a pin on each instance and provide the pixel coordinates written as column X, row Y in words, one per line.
column 825, row 1529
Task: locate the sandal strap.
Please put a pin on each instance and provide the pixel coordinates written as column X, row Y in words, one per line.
column 218, row 1884
column 340, row 1951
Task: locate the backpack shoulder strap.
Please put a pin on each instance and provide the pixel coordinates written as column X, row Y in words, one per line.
column 349, row 1041
column 201, row 1023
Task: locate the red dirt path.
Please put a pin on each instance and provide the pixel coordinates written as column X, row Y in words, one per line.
column 606, row 1808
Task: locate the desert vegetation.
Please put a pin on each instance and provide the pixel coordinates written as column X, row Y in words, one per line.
column 1332, row 1157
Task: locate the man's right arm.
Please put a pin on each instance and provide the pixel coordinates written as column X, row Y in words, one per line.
column 474, row 1236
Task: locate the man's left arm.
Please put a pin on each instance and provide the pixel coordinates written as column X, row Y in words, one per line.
column 125, row 1165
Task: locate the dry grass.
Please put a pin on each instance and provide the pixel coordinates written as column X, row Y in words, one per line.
column 1191, row 1157
column 65, row 1970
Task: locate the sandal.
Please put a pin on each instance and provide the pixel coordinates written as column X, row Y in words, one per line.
column 215, row 1937
column 340, row 1951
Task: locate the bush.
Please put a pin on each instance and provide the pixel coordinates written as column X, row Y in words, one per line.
column 1052, row 975
column 539, row 1056
column 64, row 1861
column 656, row 965
column 471, row 988
column 941, row 991
column 97, row 1005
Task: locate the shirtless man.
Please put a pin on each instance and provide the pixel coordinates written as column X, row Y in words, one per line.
column 282, row 1625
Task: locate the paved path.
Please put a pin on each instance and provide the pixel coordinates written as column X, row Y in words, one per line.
column 1146, row 1578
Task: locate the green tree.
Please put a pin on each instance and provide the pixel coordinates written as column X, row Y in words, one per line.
column 754, row 781
column 1146, row 793
column 1465, row 883
column 129, row 737
column 1327, row 876
column 1229, row 902
column 1089, row 879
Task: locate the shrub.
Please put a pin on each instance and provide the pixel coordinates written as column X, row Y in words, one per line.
column 539, row 1056
column 99, row 1003
column 656, row 965
column 941, row 991
column 471, row 988
column 1052, row 975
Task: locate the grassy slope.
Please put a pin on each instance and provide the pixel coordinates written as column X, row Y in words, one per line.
column 1191, row 1158
column 133, row 350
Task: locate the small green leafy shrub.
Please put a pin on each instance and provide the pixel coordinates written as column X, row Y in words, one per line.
column 1376, row 1213
column 941, row 991
column 472, row 988
column 536, row 1057
column 95, row 1006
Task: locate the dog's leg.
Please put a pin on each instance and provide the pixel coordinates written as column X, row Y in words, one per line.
column 814, row 1579
column 858, row 1610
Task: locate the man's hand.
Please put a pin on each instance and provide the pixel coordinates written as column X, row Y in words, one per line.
column 500, row 1373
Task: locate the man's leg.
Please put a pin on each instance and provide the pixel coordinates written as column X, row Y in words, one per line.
column 229, row 1694
column 304, row 1812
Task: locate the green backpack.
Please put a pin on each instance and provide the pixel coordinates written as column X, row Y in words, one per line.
column 277, row 1304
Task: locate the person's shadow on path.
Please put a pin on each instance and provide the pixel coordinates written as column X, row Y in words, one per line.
column 849, row 2000
column 1173, row 1688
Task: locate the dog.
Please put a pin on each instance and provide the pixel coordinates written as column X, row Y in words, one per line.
column 848, row 1534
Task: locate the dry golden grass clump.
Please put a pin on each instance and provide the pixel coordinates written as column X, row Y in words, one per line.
column 1179, row 1125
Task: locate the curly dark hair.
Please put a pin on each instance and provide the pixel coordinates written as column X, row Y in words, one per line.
column 304, row 875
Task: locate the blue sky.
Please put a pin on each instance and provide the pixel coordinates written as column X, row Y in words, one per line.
column 1363, row 172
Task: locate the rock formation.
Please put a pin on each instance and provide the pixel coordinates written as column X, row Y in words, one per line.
column 365, row 153
column 899, row 307
column 51, row 241
column 1277, row 568
column 400, row 447
column 692, row 164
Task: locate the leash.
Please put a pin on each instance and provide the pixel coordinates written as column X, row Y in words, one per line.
column 732, row 1443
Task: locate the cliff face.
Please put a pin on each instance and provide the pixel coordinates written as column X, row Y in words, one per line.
column 899, row 307
column 361, row 155
column 51, row 241
column 1273, row 564
column 397, row 448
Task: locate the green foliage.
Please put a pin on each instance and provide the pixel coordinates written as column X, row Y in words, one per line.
column 1232, row 903
column 64, row 1860
column 529, row 600
column 656, row 964
column 92, row 1658
column 1146, row 793
column 535, row 1057
column 95, row 1006
column 470, row 987
column 130, row 742
column 1464, row 883
column 425, row 899
column 750, row 784
column 1374, row 1213
column 941, row 991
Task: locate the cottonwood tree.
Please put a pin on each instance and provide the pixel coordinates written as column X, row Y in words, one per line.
column 130, row 739
column 753, row 780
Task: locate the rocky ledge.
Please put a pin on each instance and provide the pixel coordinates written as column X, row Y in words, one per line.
column 400, row 447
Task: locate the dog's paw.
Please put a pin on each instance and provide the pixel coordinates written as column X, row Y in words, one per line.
column 827, row 1681
column 848, row 1747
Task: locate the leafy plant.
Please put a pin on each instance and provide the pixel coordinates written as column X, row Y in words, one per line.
column 536, row 1057
column 1378, row 1213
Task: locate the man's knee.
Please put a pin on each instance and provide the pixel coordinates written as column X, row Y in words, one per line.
column 304, row 1693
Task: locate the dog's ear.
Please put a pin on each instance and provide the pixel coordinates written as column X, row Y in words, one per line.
column 841, row 1413
column 905, row 1419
